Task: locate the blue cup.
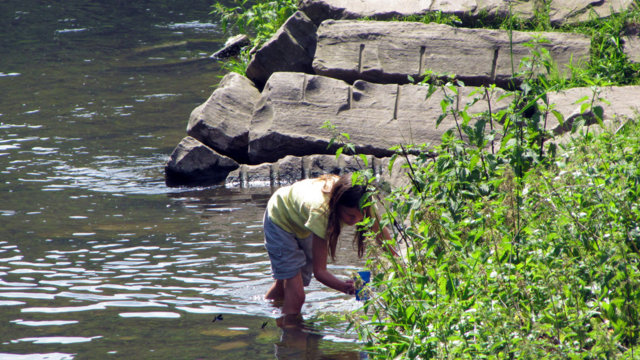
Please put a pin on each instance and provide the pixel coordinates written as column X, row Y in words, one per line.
column 366, row 277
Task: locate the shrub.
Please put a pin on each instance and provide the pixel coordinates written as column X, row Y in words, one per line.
column 259, row 19
column 522, row 250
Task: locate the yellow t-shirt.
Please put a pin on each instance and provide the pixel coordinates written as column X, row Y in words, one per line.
column 302, row 208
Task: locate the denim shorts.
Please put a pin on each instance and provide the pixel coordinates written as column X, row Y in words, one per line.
column 288, row 254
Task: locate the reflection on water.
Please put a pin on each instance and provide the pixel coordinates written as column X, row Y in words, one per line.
column 191, row 257
column 97, row 256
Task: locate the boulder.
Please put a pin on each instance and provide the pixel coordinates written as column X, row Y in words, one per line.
column 293, row 168
column 632, row 47
column 232, row 47
column 222, row 122
column 328, row 164
column 399, row 174
column 252, row 176
column 564, row 12
column 617, row 102
column 294, row 109
column 320, row 10
column 473, row 11
column 291, row 48
column 390, row 52
column 561, row 12
column 194, row 163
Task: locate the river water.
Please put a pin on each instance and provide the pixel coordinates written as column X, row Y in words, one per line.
column 98, row 258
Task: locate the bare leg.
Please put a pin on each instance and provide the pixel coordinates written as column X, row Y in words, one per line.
column 293, row 295
column 276, row 292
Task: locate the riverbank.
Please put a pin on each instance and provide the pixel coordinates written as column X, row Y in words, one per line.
column 520, row 221
column 314, row 79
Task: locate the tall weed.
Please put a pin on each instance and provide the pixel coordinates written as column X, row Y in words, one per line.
column 515, row 247
column 259, row 19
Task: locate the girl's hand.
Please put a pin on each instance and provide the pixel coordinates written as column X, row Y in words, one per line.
column 349, row 288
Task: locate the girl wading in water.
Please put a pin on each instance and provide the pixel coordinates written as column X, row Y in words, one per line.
column 302, row 224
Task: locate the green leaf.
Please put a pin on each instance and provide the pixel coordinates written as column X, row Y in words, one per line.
column 558, row 116
column 365, row 159
column 444, row 104
column 599, row 112
column 392, row 161
column 440, row 118
column 582, row 99
column 584, row 107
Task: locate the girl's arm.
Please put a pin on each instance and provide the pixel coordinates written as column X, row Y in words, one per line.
column 320, row 268
column 383, row 235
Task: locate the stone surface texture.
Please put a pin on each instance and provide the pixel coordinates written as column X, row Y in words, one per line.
column 564, row 12
column 222, row 122
column 290, row 49
column 293, row 168
column 618, row 103
column 389, row 52
column 322, row 10
column 561, row 12
column 271, row 126
column 232, row 47
column 632, row 48
column 194, row 163
column 294, row 107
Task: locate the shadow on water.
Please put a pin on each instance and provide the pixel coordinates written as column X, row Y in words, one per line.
column 98, row 258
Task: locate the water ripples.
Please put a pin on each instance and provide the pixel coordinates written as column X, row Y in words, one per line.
column 96, row 253
column 194, row 276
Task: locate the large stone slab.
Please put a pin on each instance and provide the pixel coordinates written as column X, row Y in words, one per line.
column 291, row 48
column 293, row 168
column 194, row 163
column 618, row 102
column 389, row 52
column 561, row 12
column 632, row 48
column 222, row 122
column 293, row 108
column 232, row 47
column 320, row 10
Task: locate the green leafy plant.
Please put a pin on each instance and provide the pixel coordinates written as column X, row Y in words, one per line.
column 526, row 250
column 437, row 17
column 258, row 19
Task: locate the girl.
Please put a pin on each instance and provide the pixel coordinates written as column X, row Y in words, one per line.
column 302, row 224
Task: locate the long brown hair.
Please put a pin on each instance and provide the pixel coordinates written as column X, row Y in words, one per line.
column 344, row 193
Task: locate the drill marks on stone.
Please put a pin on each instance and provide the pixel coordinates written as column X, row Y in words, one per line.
column 360, row 58
column 304, row 88
column 473, row 55
column 395, row 107
column 421, row 60
column 494, row 63
column 346, row 104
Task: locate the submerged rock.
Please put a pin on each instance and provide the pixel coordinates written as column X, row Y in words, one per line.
column 193, row 163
